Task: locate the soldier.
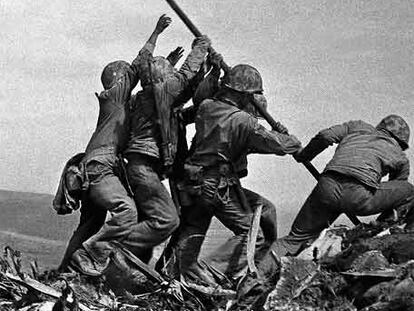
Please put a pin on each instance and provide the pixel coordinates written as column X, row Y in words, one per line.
column 153, row 144
column 226, row 131
column 102, row 167
column 350, row 183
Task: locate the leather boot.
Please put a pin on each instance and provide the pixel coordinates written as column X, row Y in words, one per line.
column 83, row 263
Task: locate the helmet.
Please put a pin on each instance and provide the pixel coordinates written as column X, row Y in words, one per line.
column 161, row 69
column 244, row 78
column 112, row 72
column 397, row 127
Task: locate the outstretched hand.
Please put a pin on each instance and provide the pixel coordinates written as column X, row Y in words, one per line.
column 162, row 23
column 175, row 55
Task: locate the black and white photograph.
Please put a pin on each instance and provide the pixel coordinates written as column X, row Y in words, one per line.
column 207, row 155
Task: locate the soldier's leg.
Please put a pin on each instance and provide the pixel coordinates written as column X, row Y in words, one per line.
column 107, row 193
column 91, row 220
column 195, row 221
column 268, row 219
column 319, row 211
column 155, row 206
column 391, row 195
column 230, row 257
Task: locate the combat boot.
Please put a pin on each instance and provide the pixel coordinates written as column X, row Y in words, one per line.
column 82, row 262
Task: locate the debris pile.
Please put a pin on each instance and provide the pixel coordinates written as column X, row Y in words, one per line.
column 370, row 267
column 374, row 270
column 33, row 291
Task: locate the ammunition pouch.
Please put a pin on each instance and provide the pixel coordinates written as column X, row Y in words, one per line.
column 217, row 181
column 226, row 178
column 191, row 185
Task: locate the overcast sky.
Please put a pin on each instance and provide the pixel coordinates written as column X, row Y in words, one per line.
column 323, row 62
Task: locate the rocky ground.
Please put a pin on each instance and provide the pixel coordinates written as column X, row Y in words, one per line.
column 373, row 271
column 370, row 267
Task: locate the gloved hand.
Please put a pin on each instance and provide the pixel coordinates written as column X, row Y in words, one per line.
column 175, row 55
column 280, row 128
column 202, row 41
column 214, row 59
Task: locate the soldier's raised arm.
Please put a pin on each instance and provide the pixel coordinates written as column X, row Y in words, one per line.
column 148, row 49
column 196, row 57
column 120, row 77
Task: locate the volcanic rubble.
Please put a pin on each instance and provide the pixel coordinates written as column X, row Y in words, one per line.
column 368, row 267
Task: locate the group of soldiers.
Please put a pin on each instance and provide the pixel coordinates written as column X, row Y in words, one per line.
column 140, row 140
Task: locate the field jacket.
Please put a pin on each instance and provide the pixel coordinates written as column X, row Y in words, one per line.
column 363, row 152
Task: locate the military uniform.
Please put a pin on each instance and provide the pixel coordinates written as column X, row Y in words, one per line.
column 158, row 216
column 106, row 192
column 351, row 181
column 225, row 134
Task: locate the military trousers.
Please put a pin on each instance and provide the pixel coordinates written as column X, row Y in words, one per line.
column 91, row 220
column 157, row 214
column 227, row 208
column 336, row 193
column 107, row 193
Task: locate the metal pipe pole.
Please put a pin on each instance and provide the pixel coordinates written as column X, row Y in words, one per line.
column 190, row 25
